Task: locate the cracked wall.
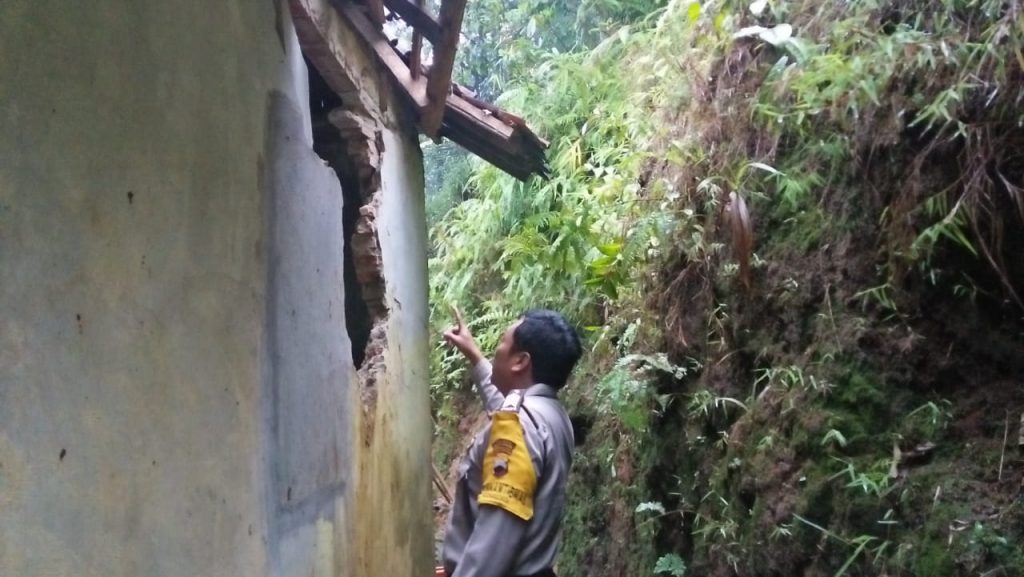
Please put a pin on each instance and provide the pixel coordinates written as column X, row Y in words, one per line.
column 372, row 160
column 179, row 391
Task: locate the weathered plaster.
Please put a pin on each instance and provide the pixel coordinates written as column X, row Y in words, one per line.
column 388, row 245
column 395, row 471
column 177, row 395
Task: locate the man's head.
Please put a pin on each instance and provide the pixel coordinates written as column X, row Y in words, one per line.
column 540, row 347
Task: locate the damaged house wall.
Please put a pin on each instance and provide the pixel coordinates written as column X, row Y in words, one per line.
column 179, row 391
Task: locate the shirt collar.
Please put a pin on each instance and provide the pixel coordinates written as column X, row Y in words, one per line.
column 541, row 390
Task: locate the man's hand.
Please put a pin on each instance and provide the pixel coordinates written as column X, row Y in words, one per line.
column 459, row 337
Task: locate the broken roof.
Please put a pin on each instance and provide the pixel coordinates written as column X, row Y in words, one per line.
column 443, row 108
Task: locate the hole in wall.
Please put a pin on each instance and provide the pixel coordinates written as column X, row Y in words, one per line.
column 331, row 146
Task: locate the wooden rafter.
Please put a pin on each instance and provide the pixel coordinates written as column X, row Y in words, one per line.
column 375, row 8
column 440, row 81
column 417, row 46
column 444, row 109
column 416, row 87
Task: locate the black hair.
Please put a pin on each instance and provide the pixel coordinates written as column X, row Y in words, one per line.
column 553, row 345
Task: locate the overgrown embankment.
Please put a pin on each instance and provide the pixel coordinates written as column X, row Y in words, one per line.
column 792, row 232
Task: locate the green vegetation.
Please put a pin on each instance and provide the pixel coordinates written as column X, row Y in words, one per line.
column 790, row 234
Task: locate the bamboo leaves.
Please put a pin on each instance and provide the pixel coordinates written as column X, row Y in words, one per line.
column 576, row 241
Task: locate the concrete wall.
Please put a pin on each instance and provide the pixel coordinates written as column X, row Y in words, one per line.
column 177, row 395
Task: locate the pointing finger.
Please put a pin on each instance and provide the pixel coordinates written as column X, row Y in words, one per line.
column 458, row 316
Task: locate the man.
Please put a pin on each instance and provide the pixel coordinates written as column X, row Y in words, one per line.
column 510, row 498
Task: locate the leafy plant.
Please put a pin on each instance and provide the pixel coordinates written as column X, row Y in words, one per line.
column 670, row 564
column 678, row 131
column 704, row 401
column 874, row 481
column 834, row 436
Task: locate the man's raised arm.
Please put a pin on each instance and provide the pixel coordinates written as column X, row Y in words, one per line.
column 480, row 368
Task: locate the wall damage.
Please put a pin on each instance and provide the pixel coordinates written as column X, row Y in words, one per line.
column 366, row 139
column 352, row 145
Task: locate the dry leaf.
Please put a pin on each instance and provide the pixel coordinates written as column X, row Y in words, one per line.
column 742, row 234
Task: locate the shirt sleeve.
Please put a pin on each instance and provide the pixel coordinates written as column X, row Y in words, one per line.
column 493, row 545
column 489, row 394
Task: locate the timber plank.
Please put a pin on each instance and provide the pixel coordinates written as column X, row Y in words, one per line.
column 439, row 83
column 416, row 88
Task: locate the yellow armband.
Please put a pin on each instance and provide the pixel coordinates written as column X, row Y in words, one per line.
column 509, row 481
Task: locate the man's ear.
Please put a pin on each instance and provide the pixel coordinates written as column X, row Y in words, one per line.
column 522, row 362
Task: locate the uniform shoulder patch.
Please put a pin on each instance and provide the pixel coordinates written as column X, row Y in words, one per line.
column 509, row 481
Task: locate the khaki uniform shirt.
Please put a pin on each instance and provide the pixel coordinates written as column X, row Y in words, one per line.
column 488, row 541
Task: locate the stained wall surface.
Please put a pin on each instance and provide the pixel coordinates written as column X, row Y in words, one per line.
column 177, row 391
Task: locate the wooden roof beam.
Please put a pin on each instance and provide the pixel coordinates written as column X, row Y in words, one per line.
column 327, row 32
column 415, row 87
column 375, row 9
column 417, row 47
column 440, row 80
